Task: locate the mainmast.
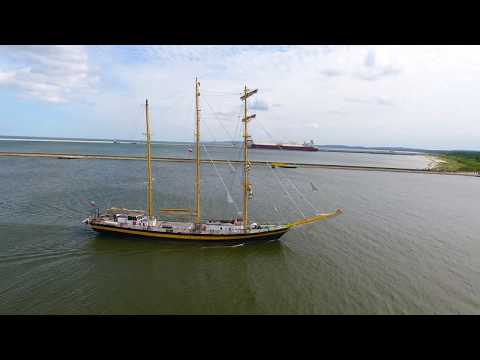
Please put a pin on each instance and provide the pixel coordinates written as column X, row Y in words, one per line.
column 197, row 153
column 149, row 167
column 246, row 164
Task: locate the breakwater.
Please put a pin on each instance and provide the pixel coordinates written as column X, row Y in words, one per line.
column 66, row 156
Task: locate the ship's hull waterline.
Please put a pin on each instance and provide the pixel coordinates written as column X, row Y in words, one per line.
column 259, row 236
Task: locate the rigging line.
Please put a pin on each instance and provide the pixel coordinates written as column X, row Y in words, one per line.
column 234, row 92
column 294, row 186
column 232, row 168
column 238, row 154
column 238, row 134
column 221, row 179
column 289, row 180
column 299, row 192
column 214, row 138
column 221, row 92
column 237, row 128
column 217, row 118
column 282, row 216
column 235, row 178
column 213, row 92
column 225, row 96
column 210, row 131
column 287, row 193
column 266, row 131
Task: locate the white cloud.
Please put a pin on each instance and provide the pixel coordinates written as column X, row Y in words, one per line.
column 331, row 72
column 370, row 95
column 382, row 100
column 307, row 81
column 337, row 112
column 373, row 100
column 372, row 70
column 7, row 77
column 259, row 104
column 49, row 73
column 356, row 100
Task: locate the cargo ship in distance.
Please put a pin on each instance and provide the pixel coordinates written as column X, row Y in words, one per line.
column 295, row 147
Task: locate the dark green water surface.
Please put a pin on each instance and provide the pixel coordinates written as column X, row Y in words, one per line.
column 406, row 243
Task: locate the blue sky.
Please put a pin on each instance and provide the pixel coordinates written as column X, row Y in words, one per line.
column 419, row 96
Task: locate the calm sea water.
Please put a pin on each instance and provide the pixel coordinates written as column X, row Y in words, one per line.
column 406, row 243
column 219, row 152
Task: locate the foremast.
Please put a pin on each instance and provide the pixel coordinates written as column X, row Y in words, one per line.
column 197, row 154
column 246, row 164
column 149, row 167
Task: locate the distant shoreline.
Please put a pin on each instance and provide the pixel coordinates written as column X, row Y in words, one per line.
column 133, row 142
column 322, row 148
column 56, row 140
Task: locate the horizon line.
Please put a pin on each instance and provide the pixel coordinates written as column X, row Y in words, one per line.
column 107, row 140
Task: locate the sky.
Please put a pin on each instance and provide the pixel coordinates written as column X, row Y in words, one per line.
column 412, row 96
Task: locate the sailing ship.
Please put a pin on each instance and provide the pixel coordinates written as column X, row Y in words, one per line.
column 146, row 224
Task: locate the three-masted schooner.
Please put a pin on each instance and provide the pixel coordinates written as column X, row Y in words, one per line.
column 139, row 222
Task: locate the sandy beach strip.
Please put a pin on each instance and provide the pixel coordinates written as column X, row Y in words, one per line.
column 434, row 161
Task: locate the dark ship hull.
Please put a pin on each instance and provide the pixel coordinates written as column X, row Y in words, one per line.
column 284, row 147
column 259, row 236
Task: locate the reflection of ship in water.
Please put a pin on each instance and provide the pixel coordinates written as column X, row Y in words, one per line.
column 305, row 147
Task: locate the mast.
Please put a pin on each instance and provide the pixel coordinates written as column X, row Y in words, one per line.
column 197, row 153
column 246, row 165
column 149, row 167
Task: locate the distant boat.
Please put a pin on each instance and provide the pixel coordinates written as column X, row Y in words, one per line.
column 145, row 223
column 304, row 147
